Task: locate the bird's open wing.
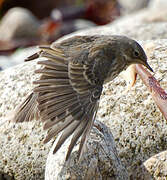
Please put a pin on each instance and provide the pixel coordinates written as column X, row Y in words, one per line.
column 66, row 100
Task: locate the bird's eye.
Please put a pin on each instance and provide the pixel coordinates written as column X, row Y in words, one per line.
column 136, row 53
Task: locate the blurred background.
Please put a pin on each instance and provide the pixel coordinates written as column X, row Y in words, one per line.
column 27, row 23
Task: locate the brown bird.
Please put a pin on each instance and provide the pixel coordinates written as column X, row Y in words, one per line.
column 73, row 72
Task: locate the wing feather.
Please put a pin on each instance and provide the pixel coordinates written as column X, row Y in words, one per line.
column 66, row 100
column 58, row 128
column 70, row 109
column 52, row 88
column 53, row 65
column 76, row 111
column 69, row 130
column 48, row 96
column 52, row 72
column 27, row 110
column 76, row 135
column 87, row 130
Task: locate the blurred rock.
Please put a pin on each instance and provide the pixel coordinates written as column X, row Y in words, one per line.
column 158, row 10
column 16, row 58
column 158, row 4
column 100, row 161
column 75, row 25
column 83, row 24
column 129, row 6
column 18, row 23
column 39, row 8
column 5, row 62
column 133, row 25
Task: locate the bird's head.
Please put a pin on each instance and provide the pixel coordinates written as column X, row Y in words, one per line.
column 133, row 53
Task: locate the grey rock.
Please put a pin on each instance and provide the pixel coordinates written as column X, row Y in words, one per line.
column 22, row 153
column 100, row 161
column 17, row 57
column 136, row 123
column 158, row 5
column 18, row 23
column 154, row 168
column 83, row 24
column 129, row 6
column 157, row 11
column 138, row 25
column 135, row 26
column 138, row 127
column 75, row 25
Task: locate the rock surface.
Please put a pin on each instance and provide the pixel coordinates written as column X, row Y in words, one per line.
column 127, row 6
column 100, row 161
column 17, row 57
column 137, row 125
column 22, row 153
column 154, row 168
column 157, row 10
column 142, row 25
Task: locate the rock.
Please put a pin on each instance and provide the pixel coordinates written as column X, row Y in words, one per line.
column 138, row 126
column 18, row 23
column 158, row 5
column 136, row 123
column 100, row 161
column 135, row 29
column 5, row 62
column 76, row 25
column 22, row 153
column 17, row 57
column 5, row 177
column 128, row 7
column 83, row 24
column 134, row 25
column 73, row 26
column 158, row 11
column 155, row 167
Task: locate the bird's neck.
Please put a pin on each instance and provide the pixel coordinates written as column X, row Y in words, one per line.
column 115, row 69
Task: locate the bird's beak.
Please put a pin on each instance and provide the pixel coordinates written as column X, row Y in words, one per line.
column 148, row 66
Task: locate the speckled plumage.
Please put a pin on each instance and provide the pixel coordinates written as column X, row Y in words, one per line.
column 67, row 94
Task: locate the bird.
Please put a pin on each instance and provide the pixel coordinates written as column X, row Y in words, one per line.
column 72, row 74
